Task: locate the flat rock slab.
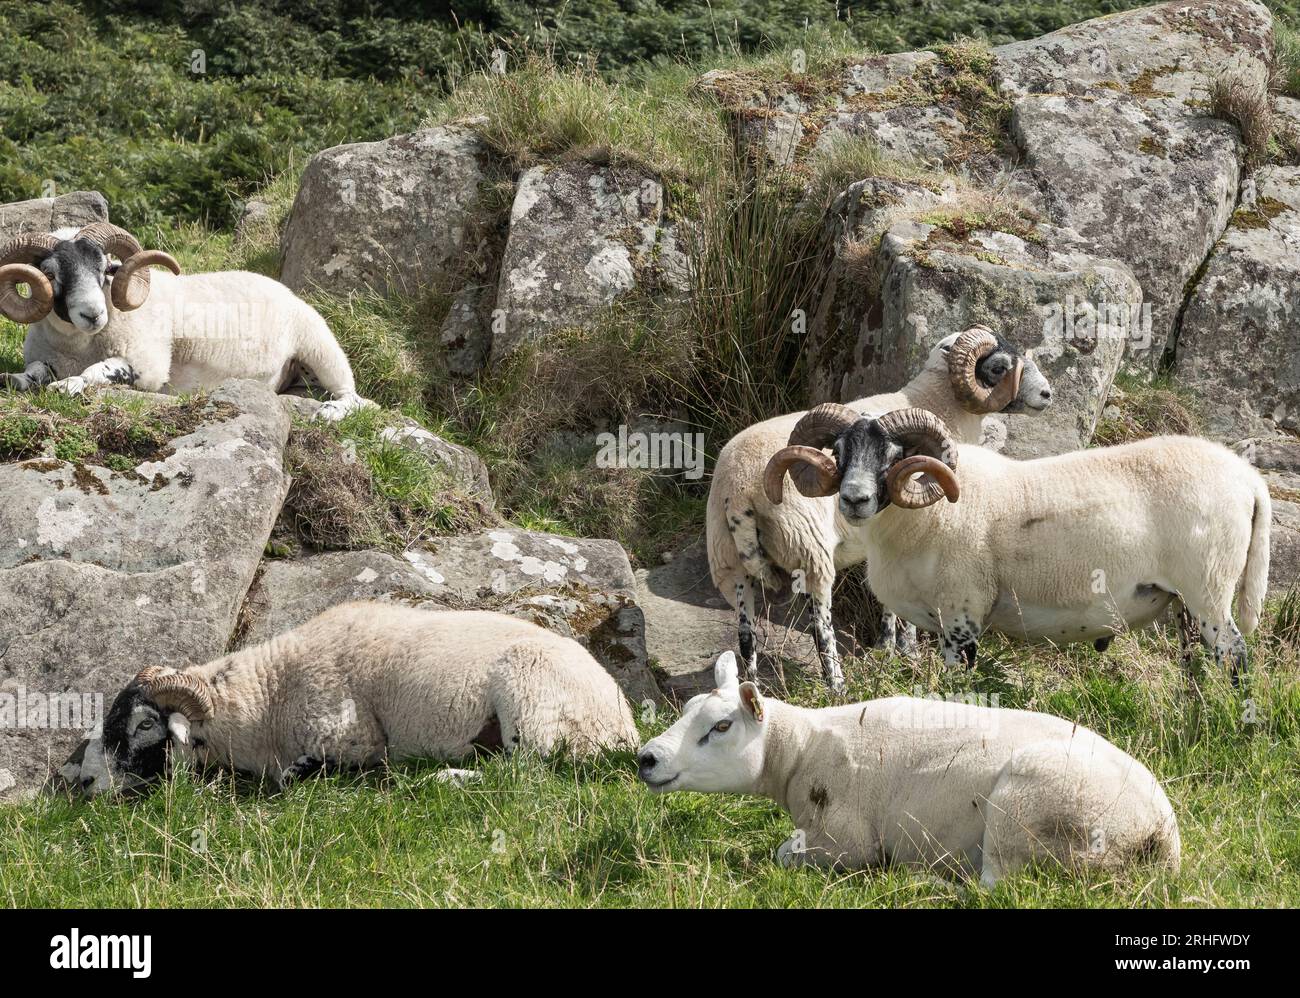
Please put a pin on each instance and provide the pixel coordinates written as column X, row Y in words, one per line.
column 579, row 587
column 384, row 215
column 290, row 592
column 103, row 573
column 48, row 214
column 689, row 623
column 1239, row 344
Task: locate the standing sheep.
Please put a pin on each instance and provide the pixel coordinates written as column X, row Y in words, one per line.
column 749, row 539
column 949, row 787
column 1076, row 547
column 360, row 684
column 93, row 322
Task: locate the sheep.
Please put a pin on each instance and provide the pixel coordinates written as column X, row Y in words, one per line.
column 966, row 376
column 357, row 685
column 1075, row 547
column 93, row 322
column 952, row 788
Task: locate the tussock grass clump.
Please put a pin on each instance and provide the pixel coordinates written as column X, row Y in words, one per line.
column 1146, row 410
column 352, row 490
column 1249, row 106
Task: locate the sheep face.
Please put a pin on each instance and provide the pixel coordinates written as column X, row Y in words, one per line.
column 129, row 749
column 1035, row 393
column 80, row 275
column 717, row 744
column 863, row 454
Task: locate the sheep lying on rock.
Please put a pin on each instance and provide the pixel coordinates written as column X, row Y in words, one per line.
column 1076, row 547
column 954, row 788
column 360, row 684
column 966, row 376
column 93, row 322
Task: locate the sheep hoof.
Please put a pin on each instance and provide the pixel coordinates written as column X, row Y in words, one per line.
column 336, row 409
column 459, row 777
column 74, row 385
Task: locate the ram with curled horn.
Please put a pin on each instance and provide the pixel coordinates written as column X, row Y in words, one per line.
column 1022, row 552
column 97, row 315
column 757, row 541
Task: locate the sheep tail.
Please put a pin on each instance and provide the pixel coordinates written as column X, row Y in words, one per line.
column 321, row 356
column 1255, row 579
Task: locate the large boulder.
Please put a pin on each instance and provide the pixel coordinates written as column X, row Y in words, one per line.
column 582, row 236
column 384, row 215
column 1146, row 185
column 289, row 592
column 579, row 587
column 48, row 214
column 1239, row 342
column 1072, row 312
column 104, row 572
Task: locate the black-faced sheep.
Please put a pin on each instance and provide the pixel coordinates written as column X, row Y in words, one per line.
column 360, row 684
column 93, row 322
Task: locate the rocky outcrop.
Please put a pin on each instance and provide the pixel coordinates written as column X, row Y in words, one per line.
column 289, row 592
column 103, row 572
column 576, row 586
column 384, row 215
column 1239, row 343
column 48, row 214
column 582, row 236
column 1074, row 313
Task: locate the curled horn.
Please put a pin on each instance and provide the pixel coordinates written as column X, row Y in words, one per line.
column 814, row 473
column 931, row 454
column 16, row 267
column 178, row 691
column 971, row 347
column 130, row 287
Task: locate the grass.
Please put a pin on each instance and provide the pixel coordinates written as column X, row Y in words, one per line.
column 1139, row 409
column 539, row 833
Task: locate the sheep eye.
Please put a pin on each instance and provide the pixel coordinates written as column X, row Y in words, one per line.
column 145, row 725
column 722, row 726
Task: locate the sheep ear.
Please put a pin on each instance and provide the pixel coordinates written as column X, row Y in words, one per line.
column 725, row 673
column 751, row 700
column 179, row 726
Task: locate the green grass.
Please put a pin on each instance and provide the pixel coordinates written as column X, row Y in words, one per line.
column 559, row 834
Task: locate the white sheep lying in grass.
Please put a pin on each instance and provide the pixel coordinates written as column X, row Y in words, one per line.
column 93, row 322
column 949, row 787
column 360, row 684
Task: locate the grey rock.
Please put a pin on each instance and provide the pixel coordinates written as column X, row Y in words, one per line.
column 1239, row 342
column 1072, row 312
column 579, row 587
column 384, row 215
column 290, row 592
column 103, row 573
column 466, row 334
column 581, row 237
column 1166, row 51
column 1121, row 174
column 255, row 222
column 688, row 624
column 1284, row 540
column 78, row 208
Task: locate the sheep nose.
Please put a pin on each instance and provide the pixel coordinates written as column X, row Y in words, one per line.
column 646, row 761
column 1046, row 395
column 92, row 317
column 86, row 781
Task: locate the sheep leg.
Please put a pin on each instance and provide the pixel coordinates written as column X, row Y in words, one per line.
column 304, row 765
column 745, row 625
column 114, row 371
column 907, row 640
column 824, row 638
column 37, row 374
column 1218, row 632
column 960, row 641
column 888, row 631
column 1187, row 639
